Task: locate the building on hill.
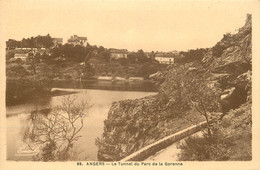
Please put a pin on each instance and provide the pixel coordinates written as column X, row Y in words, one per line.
column 76, row 40
column 165, row 58
column 57, row 41
column 22, row 56
column 118, row 53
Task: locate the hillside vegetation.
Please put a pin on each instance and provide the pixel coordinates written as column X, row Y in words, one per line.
column 215, row 86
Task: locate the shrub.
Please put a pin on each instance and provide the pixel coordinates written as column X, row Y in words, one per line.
column 204, row 148
column 217, row 50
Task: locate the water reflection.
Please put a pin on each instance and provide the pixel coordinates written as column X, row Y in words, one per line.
column 53, row 132
column 84, row 148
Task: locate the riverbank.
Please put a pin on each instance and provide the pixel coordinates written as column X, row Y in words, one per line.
column 85, row 148
column 43, row 94
column 119, row 85
column 144, row 85
column 44, row 98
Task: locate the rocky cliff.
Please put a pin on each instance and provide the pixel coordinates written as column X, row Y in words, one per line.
column 230, row 61
column 133, row 124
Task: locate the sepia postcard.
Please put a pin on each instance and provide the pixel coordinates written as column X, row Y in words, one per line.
column 127, row 84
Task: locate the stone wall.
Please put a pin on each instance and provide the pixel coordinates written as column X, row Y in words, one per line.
column 163, row 143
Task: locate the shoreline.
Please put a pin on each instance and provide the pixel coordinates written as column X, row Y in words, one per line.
column 53, row 93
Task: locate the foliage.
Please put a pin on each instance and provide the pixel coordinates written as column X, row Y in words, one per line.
column 123, row 61
column 237, row 126
column 16, row 70
column 76, row 53
column 41, row 72
column 17, row 78
column 141, row 57
column 33, row 42
column 204, row 148
column 191, row 55
column 23, row 81
column 85, row 72
column 191, row 89
column 9, row 55
column 148, row 68
column 138, row 57
column 231, row 139
column 218, row 50
column 55, row 132
column 13, row 43
column 105, row 55
column 132, row 57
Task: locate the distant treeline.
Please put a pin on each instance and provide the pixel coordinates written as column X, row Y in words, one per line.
column 33, row 42
column 191, row 55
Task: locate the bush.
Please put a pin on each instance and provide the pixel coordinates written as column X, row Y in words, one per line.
column 217, row 50
column 204, row 149
column 148, row 68
column 9, row 55
column 123, row 61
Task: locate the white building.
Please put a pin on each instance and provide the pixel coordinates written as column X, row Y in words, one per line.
column 118, row 53
column 76, row 40
column 165, row 58
column 20, row 56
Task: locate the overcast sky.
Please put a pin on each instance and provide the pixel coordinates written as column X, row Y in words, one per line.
column 148, row 25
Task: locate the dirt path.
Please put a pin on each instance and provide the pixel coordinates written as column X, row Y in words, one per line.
column 171, row 152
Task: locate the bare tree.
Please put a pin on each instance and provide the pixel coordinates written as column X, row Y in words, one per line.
column 192, row 89
column 55, row 132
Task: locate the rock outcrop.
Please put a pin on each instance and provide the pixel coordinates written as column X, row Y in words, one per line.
column 133, row 124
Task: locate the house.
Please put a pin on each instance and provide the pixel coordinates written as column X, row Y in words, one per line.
column 57, row 41
column 165, row 58
column 76, row 40
column 118, row 53
column 22, row 56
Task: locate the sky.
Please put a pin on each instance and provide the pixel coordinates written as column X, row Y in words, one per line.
column 150, row 25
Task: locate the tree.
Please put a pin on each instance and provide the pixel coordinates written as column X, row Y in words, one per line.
column 191, row 55
column 132, row 57
column 56, row 131
column 192, row 89
column 147, row 69
column 218, row 50
column 141, row 56
column 9, row 55
column 33, row 60
column 43, row 41
column 41, row 72
column 17, row 83
column 28, row 43
column 13, row 43
column 105, row 55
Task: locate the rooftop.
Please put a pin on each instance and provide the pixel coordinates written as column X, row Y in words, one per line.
column 165, row 55
column 76, row 38
column 113, row 50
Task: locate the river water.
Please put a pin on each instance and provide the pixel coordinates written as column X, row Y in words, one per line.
column 18, row 119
